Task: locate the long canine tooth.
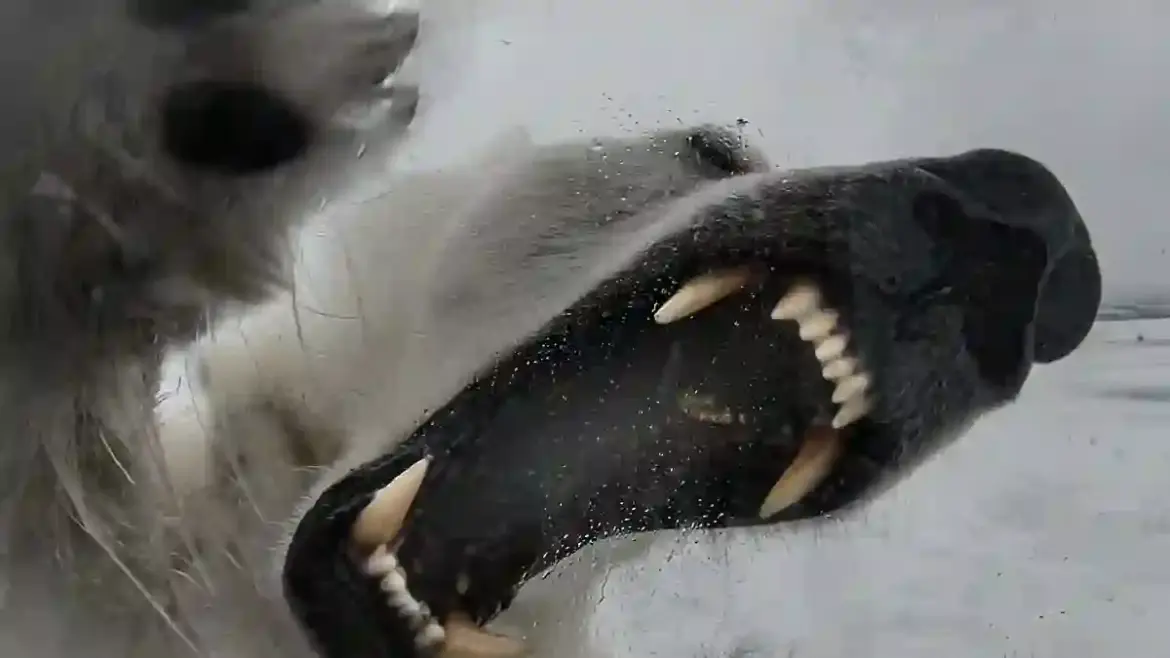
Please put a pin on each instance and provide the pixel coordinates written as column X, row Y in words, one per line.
column 831, row 348
column 839, row 369
column 467, row 640
column 431, row 635
column 812, row 465
column 701, row 292
column 801, row 300
column 381, row 520
column 850, row 387
column 817, row 325
column 851, row 411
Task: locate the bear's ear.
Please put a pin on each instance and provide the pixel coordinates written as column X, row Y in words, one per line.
column 988, row 265
column 182, row 14
column 723, row 152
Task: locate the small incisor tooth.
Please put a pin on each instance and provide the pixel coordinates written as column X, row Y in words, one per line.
column 800, row 300
column 467, row 640
column 840, row 368
column 850, row 387
column 817, row 325
column 393, row 582
column 851, row 411
column 381, row 520
column 831, row 348
column 701, row 292
column 431, row 635
column 381, row 562
column 406, row 604
column 812, row 465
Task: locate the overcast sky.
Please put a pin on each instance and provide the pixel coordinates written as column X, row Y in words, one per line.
column 1075, row 84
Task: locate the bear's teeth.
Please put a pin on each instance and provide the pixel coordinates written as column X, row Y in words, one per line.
column 839, row 368
column 383, row 565
column 431, row 635
column 701, row 292
column 380, row 522
column 813, row 463
column 851, row 387
column 831, row 348
column 465, row 639
column 818, row 325
column 802, row 299
column 377, row 526
column 851, row 412
column 381, row 562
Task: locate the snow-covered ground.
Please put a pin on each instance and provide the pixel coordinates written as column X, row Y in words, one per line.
column 1046, row 530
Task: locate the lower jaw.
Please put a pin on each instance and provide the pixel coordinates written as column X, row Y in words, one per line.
column 802, row 492
column 794, row 493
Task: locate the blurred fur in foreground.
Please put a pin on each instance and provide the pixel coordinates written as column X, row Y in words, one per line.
column 134, row 222
column 133, row 214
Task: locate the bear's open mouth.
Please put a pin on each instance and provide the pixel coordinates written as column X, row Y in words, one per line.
column 820, row 326
column 835, row 396
column 752, row 403
column 750, row 367
column 737, row 479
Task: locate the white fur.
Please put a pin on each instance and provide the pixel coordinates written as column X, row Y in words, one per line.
column 396, row 301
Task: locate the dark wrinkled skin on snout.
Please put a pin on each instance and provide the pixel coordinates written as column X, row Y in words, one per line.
column 954, row 276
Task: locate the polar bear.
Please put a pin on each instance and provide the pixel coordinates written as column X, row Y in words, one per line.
column 488, row 367
column 468, row 378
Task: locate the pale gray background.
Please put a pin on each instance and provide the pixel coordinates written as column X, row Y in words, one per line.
column 1077, row 84
column 1047, row 531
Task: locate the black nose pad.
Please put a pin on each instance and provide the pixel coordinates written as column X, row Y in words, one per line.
column 1069, row 304
column 1021, row 192
column 994, row 273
